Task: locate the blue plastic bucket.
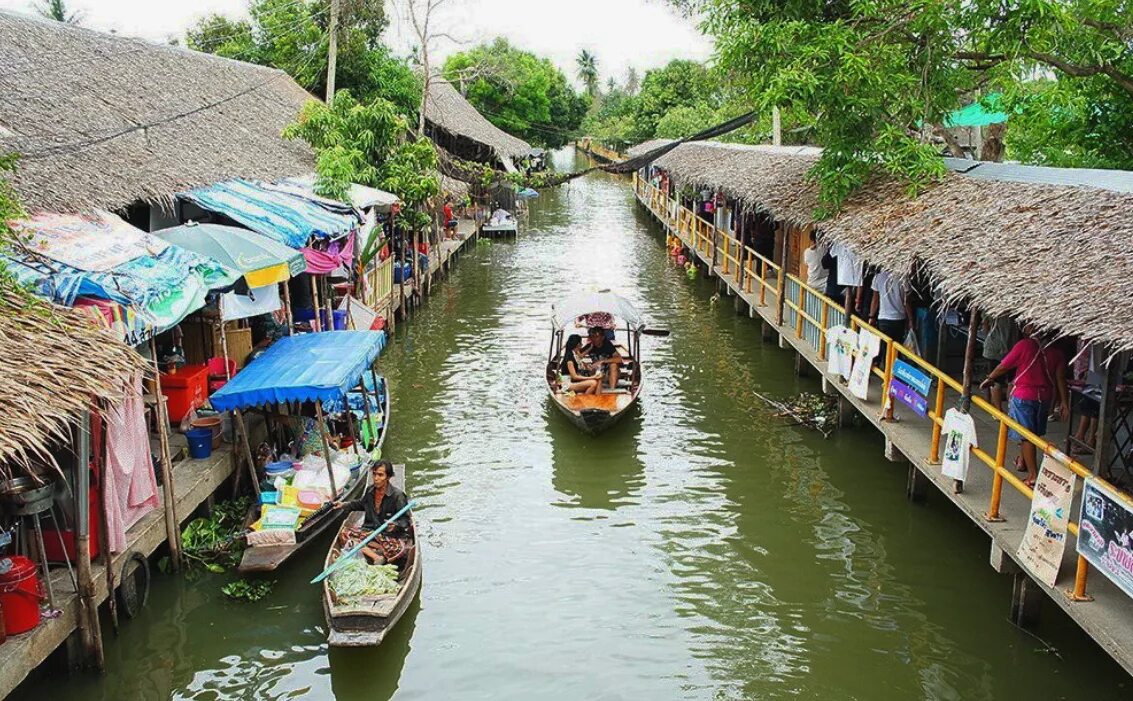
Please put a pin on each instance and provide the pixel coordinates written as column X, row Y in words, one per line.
column 200, row 443
column 339, row 319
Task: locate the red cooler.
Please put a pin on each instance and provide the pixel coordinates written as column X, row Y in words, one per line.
column 185, row 389
column 20, row 596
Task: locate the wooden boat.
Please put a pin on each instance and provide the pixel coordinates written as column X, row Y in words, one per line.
column 593, row 413
column 267, row 558
column 365, row 623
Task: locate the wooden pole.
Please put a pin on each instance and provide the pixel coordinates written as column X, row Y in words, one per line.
column 172, row 525
column 330, row 302
column 332, row 50
column 246, row 446
column 287, row 307
column 969, row 371
column 366, row 408
column 314, row 305
column 89, row 625
column 326, row 447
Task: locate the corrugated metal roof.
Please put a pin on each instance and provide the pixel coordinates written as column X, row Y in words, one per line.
column 1113, row 180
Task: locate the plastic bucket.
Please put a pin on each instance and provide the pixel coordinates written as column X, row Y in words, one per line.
column 20, row 596
column 212, row 423
column 200, row 443
column 339, row 319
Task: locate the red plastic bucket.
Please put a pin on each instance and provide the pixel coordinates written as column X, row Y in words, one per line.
column 20, row 596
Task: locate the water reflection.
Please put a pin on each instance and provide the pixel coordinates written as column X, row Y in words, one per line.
column 596, row 472
column 373, row 674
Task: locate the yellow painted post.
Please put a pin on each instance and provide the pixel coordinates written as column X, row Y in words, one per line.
column 997, row 479
column 799, row 320
column 938, row 416
column 727, row 251
column 762, row 282
column 890, row 360
column 748, row 271
column 825, row 318
column 1080, row 575
column 780, row 297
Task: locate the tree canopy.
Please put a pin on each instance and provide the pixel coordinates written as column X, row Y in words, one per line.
column 292, row 35
column 519, row 92
column 588, row 71
column 879, row 75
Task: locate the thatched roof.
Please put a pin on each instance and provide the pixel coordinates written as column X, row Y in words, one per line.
column 447, row 109
column 103, row 121
column 646, row 146
column 1056, row 255
column 457, row 188
column 57, row 360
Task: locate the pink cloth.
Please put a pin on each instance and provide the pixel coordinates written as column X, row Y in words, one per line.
column 338, row 253
column 1035, row 370
column 128, row 483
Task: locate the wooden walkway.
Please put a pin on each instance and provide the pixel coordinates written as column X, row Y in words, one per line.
column 1108, row 618
column 195, row 481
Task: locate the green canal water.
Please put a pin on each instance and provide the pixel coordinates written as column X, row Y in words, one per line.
column 700, row 550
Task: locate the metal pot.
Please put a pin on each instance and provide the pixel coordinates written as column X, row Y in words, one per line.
column 26, row 495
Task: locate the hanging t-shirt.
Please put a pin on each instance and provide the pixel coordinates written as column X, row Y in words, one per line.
column 868, row 346
column 849, row 266
column 815, row 274
column 959, row 437
column 840, row 344
column 890, row 297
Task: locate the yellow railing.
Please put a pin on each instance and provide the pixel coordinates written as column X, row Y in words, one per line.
column 814, row 310
column 732, row 259
column 381, row 284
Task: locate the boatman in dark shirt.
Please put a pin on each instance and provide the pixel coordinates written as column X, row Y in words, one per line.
column 381, row 501
column 602, row 352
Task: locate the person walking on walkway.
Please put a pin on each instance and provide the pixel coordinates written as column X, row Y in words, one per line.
column 1040, row 375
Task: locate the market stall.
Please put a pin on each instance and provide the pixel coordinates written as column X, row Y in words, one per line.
column 327, row 412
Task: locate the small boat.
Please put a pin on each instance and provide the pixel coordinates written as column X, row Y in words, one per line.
column 593, row 413
column 501, row 223
column 266, row 558
column 365, row 623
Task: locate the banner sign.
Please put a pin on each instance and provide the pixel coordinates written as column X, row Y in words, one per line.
column 1044, row 540
column 912, row 377
column 908, row 396
column 1105, row 536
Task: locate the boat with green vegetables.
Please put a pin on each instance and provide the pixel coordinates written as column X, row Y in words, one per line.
column 363, row 601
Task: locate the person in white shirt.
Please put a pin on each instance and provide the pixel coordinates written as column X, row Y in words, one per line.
column 889, row 311
column 849, row 275
column 816, row 274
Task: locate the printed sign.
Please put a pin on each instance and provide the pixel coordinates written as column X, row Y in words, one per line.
column 1105, row 536
column 912, row 377
column 1044, row 541
column 95, row 243
column 868, row 346
column 908, row 396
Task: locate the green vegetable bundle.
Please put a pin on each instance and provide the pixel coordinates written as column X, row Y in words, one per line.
column 357, row 580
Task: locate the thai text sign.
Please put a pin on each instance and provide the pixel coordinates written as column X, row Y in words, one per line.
column 1044, row 541
column 912, row 377
column 1105, row 536
column 908, row 396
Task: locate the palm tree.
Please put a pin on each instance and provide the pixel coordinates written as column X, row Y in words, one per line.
column 588, row 71
column 57, row 10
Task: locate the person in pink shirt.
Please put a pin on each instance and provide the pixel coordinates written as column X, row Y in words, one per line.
column 1040, row 376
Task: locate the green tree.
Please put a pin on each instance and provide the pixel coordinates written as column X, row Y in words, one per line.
column 878, row 74
column 519, row 92
column 633, row 81
column 680, row 83
column 587, row 71
column 292, row 35
column 57, row 10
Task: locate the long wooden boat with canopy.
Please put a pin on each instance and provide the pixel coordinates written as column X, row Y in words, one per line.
column 305, row 385
column 361, row 618
column 594, row 413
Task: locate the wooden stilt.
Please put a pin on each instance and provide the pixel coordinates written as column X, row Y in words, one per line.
column 326, row 446
column 172, row 525
column 247, row 447
column 89, row 626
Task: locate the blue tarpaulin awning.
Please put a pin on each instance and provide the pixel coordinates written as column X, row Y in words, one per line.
column 289, row 219
column 308, row 367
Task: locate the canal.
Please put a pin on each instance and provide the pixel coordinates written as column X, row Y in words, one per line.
column 700, row 550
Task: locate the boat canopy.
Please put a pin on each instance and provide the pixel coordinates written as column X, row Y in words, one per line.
column 308, row 367
column 567, row 311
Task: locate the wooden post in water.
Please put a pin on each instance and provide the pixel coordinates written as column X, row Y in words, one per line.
column 326, row 447
column 89, row 625
column 172, row 525
column 247, row 447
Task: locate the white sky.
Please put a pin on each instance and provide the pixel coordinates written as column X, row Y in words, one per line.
column 642, row 33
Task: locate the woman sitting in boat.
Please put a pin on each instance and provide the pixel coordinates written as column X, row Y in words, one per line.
column 381, row 501
column 574, row 378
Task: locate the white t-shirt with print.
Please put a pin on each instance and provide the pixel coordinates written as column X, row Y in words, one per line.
column 958, row 436
column 849, row 266
column 840, row 345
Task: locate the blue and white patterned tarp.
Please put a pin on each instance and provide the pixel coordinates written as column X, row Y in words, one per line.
column 289, row 219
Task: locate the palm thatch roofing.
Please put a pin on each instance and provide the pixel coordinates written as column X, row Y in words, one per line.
column 447, row 109
column 102, row 121
column 1057, row 255
column 59, row 362
column 457, row 188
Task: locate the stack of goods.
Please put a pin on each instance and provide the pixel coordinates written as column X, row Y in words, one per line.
column 302, row 489
column 357, row 581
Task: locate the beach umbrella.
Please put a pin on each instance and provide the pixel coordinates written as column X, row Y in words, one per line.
column 261, row 260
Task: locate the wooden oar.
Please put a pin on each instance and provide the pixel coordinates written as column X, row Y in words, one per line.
column 655, row 332
column 353, row 551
